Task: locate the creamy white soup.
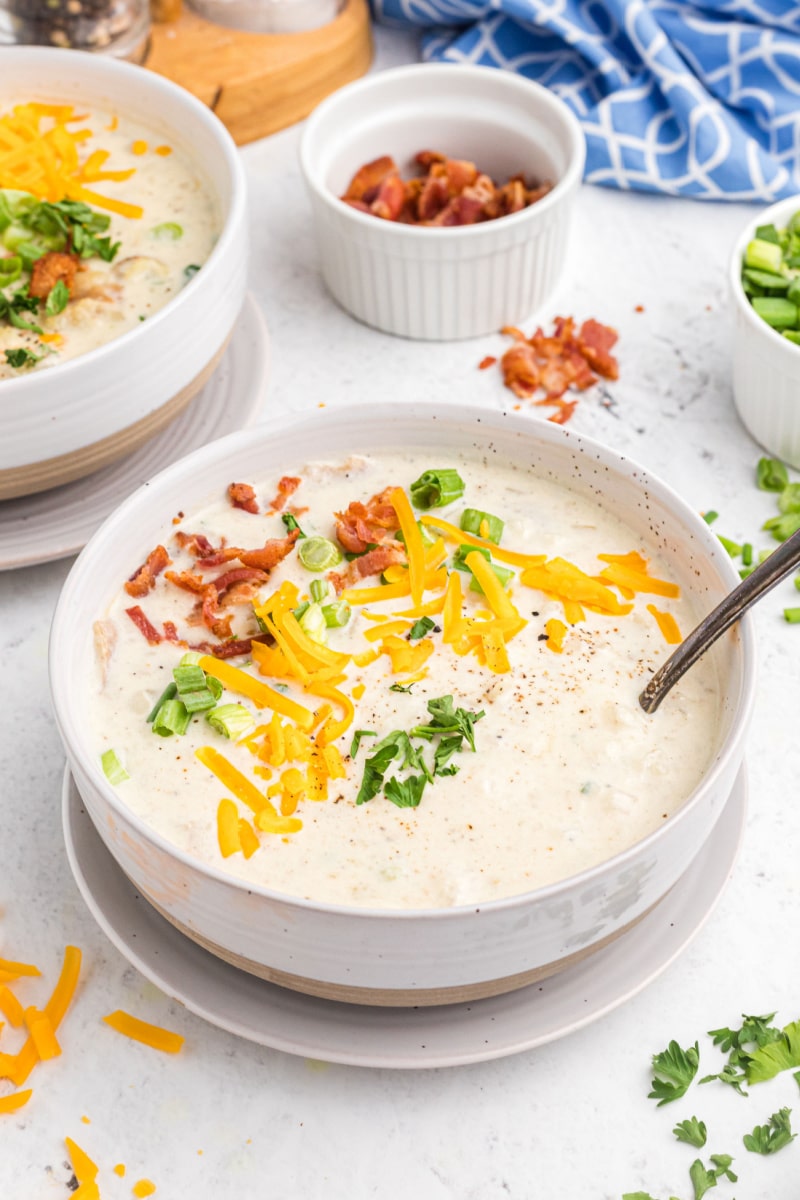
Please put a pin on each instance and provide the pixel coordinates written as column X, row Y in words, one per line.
column 337, row 762
column 97, row 232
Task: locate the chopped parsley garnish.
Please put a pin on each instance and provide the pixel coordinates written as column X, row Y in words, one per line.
column 446, row 718
column 704, row 1178
column 691, row 1131
column 772, row 1137
column 451, row 726
column 190, row 271
column 291, row 524
column 420, row 628
column 401, row 687
column 21, row 357
column 674, row 1069
column 11, row 308
column 771, row 1058
column 57, row 299
column 73, row 224
column 357, row 736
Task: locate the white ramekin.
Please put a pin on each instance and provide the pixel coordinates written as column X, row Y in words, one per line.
column 766, row 366
column 441, row 283
column 389, row 956
column 67, row 421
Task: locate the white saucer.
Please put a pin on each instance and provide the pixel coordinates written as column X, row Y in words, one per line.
column 396, row 1037
column 59, row 522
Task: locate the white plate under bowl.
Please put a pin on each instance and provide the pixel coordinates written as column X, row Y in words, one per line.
column 448, row 1035
column 57, row 523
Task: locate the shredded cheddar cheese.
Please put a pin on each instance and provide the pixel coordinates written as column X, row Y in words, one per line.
column 39, row 153
column 144, row 1032
column 667, row 624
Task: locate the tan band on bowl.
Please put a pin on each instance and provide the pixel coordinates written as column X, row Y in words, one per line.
column 64, row 468
column 400, row 997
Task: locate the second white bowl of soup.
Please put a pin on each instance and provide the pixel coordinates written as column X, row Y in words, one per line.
column 360, row 713
column 122, row 260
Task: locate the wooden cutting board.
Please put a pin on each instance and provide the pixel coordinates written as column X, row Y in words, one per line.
column 258, row 83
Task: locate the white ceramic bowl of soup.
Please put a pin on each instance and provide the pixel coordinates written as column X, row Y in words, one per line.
column 423, row 955
column 76, row 416
column 766, row 365
column 456, row 282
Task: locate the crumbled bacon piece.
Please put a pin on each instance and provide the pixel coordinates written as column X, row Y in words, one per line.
column 224, row 582
column 145, row 627
column 227, row 649
column 195, row 543
column 361, row 525
column 488, row 361
column 450, row 191
column 243, row 496
column 554, row 363
column 371, row 563
column 49, row 269
column 186, row 580
column 144, row 580
column 287, row 486
column 270, row 554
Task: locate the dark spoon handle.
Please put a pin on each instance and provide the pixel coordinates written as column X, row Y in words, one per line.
column 764, row 577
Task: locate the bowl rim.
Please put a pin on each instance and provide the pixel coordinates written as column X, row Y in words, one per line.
column 53, row 57
column 513, row 83
column 212, row 457
column 765, row 216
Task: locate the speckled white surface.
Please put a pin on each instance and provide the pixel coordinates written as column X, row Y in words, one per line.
column 569, row 1121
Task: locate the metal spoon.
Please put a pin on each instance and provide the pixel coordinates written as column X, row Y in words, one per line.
column 765, row 576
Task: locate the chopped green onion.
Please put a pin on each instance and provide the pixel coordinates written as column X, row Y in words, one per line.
column 733, row 548
column 172, row 717
column 320, row 590
column 291, row 524
column 792, row 615
column 190, row 271
column 57, row 299
column 336, row 614
column 298, row 612
column 318, row 554
column 10, row 269
column 783, row 527
column 763, row 255
column 169, row 691
column 420, row 628
column 190, row 659
column 767, row 233
column 472, row 520
column 797, row 582
column 314, row 625
column 776, row 311
column 763, row 555
column 189, row 678
column 168, row 229
column 113, row 768
column 199, row 701
column 766, row 279
column 745, row 571
column 502, row 573
column 791, row 335
column 710, row 516
column 231, row 720
column 428, row 538
column 747, row 554
column 771, row 475
column 435, row 489
column 459, row 558
column 789, row 499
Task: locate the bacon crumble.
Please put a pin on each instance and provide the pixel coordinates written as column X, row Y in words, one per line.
column 243, row 496
column 143, row 580
column 447, row 192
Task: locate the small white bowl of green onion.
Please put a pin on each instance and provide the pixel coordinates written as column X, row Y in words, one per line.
column 765, row 288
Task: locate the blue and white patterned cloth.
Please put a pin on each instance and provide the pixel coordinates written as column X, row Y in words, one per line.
column 691, row 99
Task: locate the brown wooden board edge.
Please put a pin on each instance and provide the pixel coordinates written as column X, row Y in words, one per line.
column 260, row 83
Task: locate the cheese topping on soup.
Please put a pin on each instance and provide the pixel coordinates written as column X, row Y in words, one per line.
column 101, row 225
column 291, row 687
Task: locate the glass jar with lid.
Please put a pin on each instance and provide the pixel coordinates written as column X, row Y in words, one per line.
column 118, row 27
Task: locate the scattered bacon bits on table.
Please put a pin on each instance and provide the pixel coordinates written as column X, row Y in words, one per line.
column 445, row 192
column 552, row 364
